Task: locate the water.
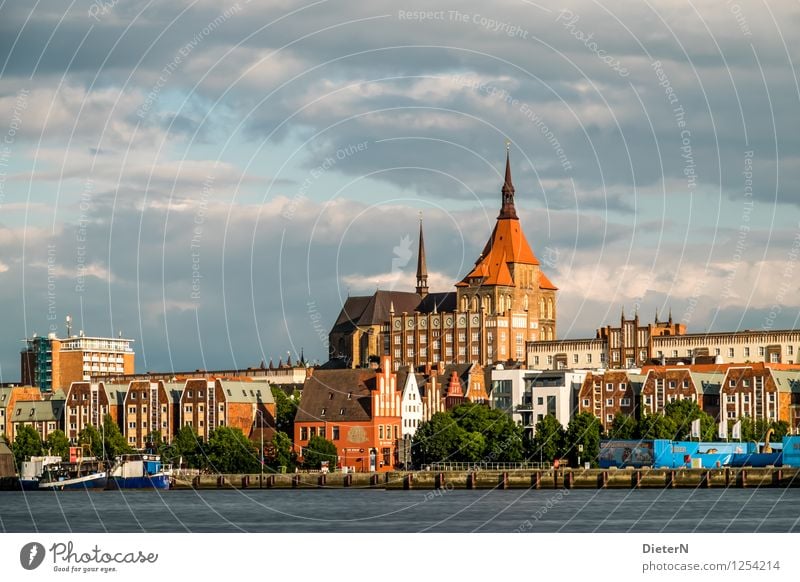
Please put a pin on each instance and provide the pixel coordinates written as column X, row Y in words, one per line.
column 343, row 510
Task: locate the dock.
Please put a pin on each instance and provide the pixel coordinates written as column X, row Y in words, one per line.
column 645, row 478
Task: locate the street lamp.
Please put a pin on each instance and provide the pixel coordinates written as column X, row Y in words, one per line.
column 261, row 414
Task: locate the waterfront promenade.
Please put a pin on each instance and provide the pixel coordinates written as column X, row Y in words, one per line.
column 646, row 478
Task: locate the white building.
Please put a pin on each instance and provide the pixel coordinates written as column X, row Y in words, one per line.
column 411, row 409
column 530, row 395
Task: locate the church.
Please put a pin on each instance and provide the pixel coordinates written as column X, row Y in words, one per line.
column 505, row 301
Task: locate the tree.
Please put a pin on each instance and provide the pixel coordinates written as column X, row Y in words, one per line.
column 285, row 409
column 319, row 449
column 654, row 426
column 502, row 437
column 781, row 428
column 281, row 453
column 680, row 414
column 185, row 448
column 113, row 439
column 436, row 441
column 89, row 439
column 229, row 451
column 584, row 429
column 26, row 444
column 624, row 427
column 548, row 440
column 57, row 443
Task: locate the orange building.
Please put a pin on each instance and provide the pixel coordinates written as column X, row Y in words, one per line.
column 9, row 396
column 51, row 363
column 208, row 403
column 358, row 410
column 88, row 403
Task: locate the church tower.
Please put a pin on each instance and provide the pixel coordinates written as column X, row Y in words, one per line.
column 507, row 278
column 422, row 267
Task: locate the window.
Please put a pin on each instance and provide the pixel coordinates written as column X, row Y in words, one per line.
column 609, row 402
column 674, row 353
column 790, row 350
column 731, row 399
column 747, row 399
column 550, row 360
column 717, row 351
column 380, row 431
column 189, row 394
column 586, row 402
column 731, row 352
column 745, row 382
column 133, row 395
column 131, row 410
column 349, row 395
column 535, row 360
column 672, row 384
column 323, row 412
column 341, row 411
column 625, row 402
column 648, row 400
column 540, row 401
column 397, row 340
column 303, row 433
column 396, row 431
column 686, row 383
column 589, row 358
column 731, row 414
column 773, row 357
column 609, row 386
column 747, row 352
column 622, row 386
column 615, row 356
column 131, row 425
column 761, row 351
column 335, row 434
column 732, row 383
column 330, row 395
column 609, row 418
column 575, row 358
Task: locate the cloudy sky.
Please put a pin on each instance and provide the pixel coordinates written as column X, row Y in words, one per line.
column 212, row 178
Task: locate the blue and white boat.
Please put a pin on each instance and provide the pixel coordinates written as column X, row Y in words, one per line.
column 50, row 473
column 139, row 472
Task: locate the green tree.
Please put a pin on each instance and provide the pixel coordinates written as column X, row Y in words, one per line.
column 781, row 428
column 680, row 414
column 624, row 427
column 319, row 449
column 229, row 451
column 285, row 409
column 26, row 444
column 654, row 426
column 113, row 439
column 281, row 453
column 436, row 440
column 57, row 443
column 502, row 437
column 548, row 440
column 185, row 449
column 584, row 429
column 91, row 441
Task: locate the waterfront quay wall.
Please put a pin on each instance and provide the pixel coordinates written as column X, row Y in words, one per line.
column 645, row 478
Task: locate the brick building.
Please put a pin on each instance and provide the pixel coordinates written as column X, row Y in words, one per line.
column 504, row 301
column 358, row 410
column 53, row 363
column 9, row 396
column 45, row 416
column 87, row 403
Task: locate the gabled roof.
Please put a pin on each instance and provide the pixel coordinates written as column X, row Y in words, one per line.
column 248, row 392
column 707, row 382
column 115, row 393
column 38, row 411
column 545, row 283
column 374, row 309
column 507, row 244
column 174, row 391
column 787, row 381
column 337, row 395
column 444, row 302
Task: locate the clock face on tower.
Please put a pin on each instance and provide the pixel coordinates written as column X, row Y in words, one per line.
column 449, row 321
column 397, row 324
column 475, row 320
column 423, row 323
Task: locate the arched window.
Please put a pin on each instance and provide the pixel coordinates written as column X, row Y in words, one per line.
column 525, row 303
column 501, row 304
column 475, row 303
column 463, row 303
column 541, row 308
column 549, row 308
column 509, row 303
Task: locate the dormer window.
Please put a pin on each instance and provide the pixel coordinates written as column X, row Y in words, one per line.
column 323, row 412
column 341, row 411
column 330, row 395
column 349, row 395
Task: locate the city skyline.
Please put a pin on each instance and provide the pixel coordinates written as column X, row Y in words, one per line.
column 216, row 193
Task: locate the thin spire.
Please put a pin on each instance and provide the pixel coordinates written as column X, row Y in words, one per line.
column 507, row 210
column 422, row 267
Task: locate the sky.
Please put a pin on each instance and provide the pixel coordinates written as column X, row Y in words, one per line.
column 212, row 179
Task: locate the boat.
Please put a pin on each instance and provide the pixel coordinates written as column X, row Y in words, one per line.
column 139, row 471
column 50, row 473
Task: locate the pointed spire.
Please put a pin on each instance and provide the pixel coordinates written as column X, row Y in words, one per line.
column 422, row 267
column 656, row 316
column 391, row 306
column 507, row 210
column 670, row 315
column 271, row 365
column 302, row 358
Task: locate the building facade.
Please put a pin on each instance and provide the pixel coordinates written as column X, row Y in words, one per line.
column 53, row 363
column 358, row 410
column 504, row 302
column 9, row 396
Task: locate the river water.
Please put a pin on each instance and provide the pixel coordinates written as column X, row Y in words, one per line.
column 364, row 510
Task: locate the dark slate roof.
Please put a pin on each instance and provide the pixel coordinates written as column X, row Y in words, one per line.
column 374, row 309
column 334, row 364
column 444, row 302
column 343, row 394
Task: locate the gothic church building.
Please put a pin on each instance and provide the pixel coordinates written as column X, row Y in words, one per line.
column 505, row 301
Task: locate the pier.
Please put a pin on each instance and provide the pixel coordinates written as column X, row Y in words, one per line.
column 566, row 478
